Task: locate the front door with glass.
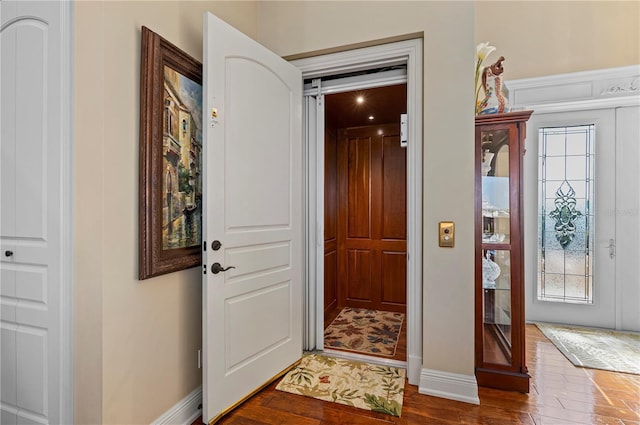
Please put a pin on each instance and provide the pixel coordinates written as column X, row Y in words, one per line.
column 572, row 278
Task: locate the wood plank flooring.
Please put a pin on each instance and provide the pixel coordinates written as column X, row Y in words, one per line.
column 561, row 394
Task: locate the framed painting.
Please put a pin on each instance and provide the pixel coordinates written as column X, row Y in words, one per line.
column 170, row 197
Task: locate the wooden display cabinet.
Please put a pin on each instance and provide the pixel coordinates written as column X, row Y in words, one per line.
column 499, row 248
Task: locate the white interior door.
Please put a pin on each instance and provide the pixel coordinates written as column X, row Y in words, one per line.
column 252, row 313
column 577, row 167
column 32, row 220
column 628, row 217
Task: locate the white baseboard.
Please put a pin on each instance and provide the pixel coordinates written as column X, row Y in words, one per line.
column 414, row 367
column 452, row 386
column 184, row 412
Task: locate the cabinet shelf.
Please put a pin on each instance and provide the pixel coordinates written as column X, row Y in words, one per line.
column 499, row 285
column 496, row 289
column 495, row 245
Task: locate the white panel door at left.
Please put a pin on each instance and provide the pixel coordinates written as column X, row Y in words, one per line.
column 252, row 313
column 34, row 133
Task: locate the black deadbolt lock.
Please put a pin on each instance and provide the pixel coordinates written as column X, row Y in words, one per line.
column 215, row 245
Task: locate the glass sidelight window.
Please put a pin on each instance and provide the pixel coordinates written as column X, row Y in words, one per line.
column 566, row 213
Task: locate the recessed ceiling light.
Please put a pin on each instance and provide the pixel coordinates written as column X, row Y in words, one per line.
column 370, row 117
column 359, row 99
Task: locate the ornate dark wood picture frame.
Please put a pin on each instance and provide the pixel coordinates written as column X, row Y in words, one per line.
column 170, row 197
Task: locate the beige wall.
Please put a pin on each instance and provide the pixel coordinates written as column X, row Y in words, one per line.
column 136, row 341
column 89, row 216
column 297, row 27
column 554, row 37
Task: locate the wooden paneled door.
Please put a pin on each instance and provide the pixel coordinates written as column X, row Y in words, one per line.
column 330, row 221
column 371, row 226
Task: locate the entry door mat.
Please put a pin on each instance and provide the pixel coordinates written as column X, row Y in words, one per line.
column 357, row 384
column 365, row 331
column 596, row 348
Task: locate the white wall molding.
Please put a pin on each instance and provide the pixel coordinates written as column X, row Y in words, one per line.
column 348, row 61
column 603, row 88
column 558, row 100
column 184, row 412
column 452, row 386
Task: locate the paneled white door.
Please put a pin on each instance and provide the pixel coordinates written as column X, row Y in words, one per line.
column 32, row 246
column 627, row 214
column 573, row 154
column 252, row 313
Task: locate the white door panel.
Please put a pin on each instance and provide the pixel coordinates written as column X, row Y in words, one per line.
column 258, row 259
column 8, row 80
column 32, row 75
column 9, row 365
column 259, row 140
column 628, row 217
column 252, row 314
column 32, row 370
column 602, row 312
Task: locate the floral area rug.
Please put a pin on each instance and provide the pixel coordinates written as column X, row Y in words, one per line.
column 596, row 348
column 364, row 331
column 357, row 384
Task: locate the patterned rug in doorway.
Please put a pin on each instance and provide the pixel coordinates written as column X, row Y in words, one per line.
column 365, row 331
column 357, row 384
column 596, row 348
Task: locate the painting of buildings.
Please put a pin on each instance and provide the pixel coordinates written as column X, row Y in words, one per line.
column 182, row 158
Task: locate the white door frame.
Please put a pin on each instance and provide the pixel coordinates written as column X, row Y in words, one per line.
column 66, row 194
column 67, row 140
column 405, row 52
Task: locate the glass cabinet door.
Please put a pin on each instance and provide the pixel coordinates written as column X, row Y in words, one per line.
column 495, row 187
column 500, row 354
column 496, row 253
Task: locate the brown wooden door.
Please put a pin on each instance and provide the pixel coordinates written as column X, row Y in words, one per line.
column 371, row 227
column 330, row 221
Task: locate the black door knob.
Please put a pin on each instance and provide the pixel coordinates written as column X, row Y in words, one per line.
column 217, row 268
column 8, row 253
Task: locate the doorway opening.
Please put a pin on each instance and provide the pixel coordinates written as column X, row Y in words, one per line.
column 365, row 222
column 401, row 63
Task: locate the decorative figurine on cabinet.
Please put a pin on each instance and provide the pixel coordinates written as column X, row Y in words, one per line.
column 495, row 101
column 490, row 271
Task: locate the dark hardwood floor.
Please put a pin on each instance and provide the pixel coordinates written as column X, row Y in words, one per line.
column 561, row 394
